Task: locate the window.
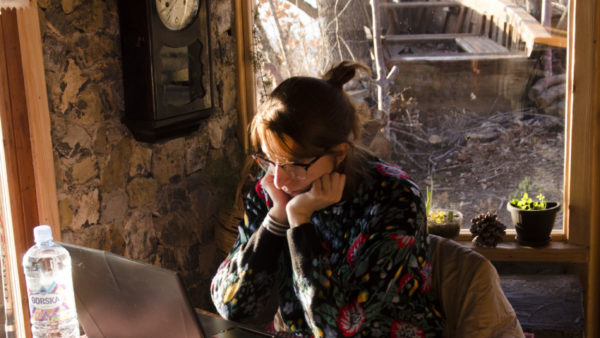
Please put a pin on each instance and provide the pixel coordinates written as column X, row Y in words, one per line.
column 581, row 189
column 473, row 92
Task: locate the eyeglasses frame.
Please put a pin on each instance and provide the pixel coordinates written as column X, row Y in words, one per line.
column 305, row 166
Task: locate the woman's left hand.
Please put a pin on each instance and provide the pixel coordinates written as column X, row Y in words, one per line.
column 325, row 191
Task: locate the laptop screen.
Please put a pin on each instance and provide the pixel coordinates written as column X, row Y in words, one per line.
column 119, row 297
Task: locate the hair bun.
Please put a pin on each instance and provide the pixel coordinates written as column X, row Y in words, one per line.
column 344, row 72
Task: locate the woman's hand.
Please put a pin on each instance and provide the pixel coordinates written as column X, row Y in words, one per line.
column 325, row 191
column 280, row 199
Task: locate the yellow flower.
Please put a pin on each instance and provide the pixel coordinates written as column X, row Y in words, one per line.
column 383, row 184
column 414, row 288
column 398, row 272
column 362, row 297
column 318, row 333
column 366, row 277
column 329, row 272
column 230, row 292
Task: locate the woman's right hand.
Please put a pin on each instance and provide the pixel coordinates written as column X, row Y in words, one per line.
column 279, row 198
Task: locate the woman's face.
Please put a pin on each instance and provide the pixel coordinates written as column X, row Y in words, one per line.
column 322, row 165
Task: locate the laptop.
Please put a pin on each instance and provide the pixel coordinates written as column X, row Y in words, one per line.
column 120, row 297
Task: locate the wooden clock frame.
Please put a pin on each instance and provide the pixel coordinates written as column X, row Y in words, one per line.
column 147, row 46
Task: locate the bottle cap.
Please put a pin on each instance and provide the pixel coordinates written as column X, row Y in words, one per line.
column 42, row 233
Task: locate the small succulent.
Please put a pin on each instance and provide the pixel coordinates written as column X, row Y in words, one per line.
column 487, row 231
column 527, row 203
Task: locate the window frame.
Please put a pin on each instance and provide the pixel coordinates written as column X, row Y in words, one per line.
column 578, row 239
column 28, row 186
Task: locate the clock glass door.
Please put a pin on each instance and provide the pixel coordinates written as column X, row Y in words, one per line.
column 180, row 81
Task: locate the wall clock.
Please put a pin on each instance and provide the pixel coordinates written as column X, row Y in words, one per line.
column 167, row 73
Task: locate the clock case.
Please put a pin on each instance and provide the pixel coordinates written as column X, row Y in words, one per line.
column 151, row 110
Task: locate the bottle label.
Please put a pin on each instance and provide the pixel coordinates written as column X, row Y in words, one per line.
column 50, row 303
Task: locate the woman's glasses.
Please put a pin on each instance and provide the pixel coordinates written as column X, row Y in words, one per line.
column 297, row 171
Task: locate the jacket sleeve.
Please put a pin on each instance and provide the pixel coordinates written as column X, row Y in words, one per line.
column 244, row 280
column 385, row 279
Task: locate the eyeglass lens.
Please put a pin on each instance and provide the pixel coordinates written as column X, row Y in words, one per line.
column 294, row 171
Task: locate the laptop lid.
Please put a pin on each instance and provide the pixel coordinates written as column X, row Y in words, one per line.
column 120, row 297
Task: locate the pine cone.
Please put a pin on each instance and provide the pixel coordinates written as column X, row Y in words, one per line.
column 487, row 231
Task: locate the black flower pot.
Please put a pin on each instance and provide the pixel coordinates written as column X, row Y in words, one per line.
column 534, row 226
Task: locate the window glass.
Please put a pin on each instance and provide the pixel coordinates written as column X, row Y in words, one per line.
column 473, row 97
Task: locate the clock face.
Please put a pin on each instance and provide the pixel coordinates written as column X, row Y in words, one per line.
column 177, row 14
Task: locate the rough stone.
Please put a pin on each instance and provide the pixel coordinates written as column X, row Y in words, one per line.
column 76, row 138
column 114, row 174
column 101, row 47
column 87, row 210
column 177, row 230
column 91, row 237
column 92, row 20
column 141, row 191
column 115, row 240
column 43, row 3
column 84, row 170
column 222, row 15
column 206, row 253
column 216, row 132
column 141, row 240
column 100, row 143
column 89, row 105
column 69, row 5
column 65, row 211
column 196, row 150
column 140, row 163
column 229, row 91
column 168, row 160
column 114, row 207
column 73, row 80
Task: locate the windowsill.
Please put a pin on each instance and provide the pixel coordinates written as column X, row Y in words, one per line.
column 556, row 251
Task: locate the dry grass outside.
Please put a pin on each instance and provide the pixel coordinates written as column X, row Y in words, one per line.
column 477, row 160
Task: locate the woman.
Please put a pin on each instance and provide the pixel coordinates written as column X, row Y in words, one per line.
column 341, row 234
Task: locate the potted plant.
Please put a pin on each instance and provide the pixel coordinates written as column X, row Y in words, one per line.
column 442, row 222
column 533, row 220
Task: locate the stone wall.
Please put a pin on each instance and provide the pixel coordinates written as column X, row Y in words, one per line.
column 154, row 202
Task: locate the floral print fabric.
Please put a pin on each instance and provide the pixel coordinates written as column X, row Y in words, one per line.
column 361, row 269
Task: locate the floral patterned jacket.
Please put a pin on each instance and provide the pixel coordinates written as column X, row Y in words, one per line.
column 361, row 269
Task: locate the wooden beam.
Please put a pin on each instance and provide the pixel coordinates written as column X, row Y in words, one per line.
column 34, row 78
column 245, row 70
column 20, row 178
column 424, row 37
column 593, row 292
column 480, row 45
column 506, row 12
column 447, row 57
column 419, row 4
column 513, row 252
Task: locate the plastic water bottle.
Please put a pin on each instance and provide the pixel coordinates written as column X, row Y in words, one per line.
column 49, row 282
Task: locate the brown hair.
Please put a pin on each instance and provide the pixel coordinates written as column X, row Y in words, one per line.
column 306, row 116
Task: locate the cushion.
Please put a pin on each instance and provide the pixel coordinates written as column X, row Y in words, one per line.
column 468, row 288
